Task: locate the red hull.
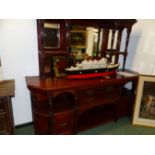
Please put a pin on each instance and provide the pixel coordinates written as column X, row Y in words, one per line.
column 90, row 75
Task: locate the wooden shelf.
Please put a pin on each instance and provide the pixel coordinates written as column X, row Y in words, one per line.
column 95, row 117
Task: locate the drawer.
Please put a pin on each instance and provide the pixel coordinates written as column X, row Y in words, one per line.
column 110, row 90
column 99, row 95
column 87, row 92
column 63, row 122
column 100, row 91
column 87, row 100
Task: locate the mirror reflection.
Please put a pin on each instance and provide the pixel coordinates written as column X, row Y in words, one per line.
column 85, row 41
column 51, row 35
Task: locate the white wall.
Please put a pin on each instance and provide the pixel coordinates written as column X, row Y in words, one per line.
column 141, row 49
column 18, row 49
column 19, row 52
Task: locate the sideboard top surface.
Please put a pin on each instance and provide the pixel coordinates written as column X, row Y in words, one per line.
column 52, row 84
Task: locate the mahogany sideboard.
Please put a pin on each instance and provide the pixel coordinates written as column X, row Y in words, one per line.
column 64, row 106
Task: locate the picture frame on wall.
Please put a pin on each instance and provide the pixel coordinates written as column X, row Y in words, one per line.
column 144, row 110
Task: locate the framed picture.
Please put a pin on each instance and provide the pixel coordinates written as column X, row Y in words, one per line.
column 78, row 38
column 59, row 65
column 144, row 110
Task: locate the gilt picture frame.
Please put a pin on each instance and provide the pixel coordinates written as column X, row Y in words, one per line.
column 144, row 109
column 79, row 39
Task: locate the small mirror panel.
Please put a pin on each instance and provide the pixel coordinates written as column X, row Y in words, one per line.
column 51, row 35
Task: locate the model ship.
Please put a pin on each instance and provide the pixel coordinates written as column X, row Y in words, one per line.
column 91, row 69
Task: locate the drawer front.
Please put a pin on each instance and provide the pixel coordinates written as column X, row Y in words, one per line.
column 63, row 123
column 99, row 95
column 87, row 92
column 110, row 90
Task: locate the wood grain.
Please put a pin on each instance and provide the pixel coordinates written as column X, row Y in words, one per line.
column 7, row 88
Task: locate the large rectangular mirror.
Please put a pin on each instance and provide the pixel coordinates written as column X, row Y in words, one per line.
column 96, row 42
column 85, row 41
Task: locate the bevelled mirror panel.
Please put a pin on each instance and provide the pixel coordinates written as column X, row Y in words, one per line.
column 51, row 35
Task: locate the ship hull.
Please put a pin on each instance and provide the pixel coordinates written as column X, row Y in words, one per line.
column 90, row 73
